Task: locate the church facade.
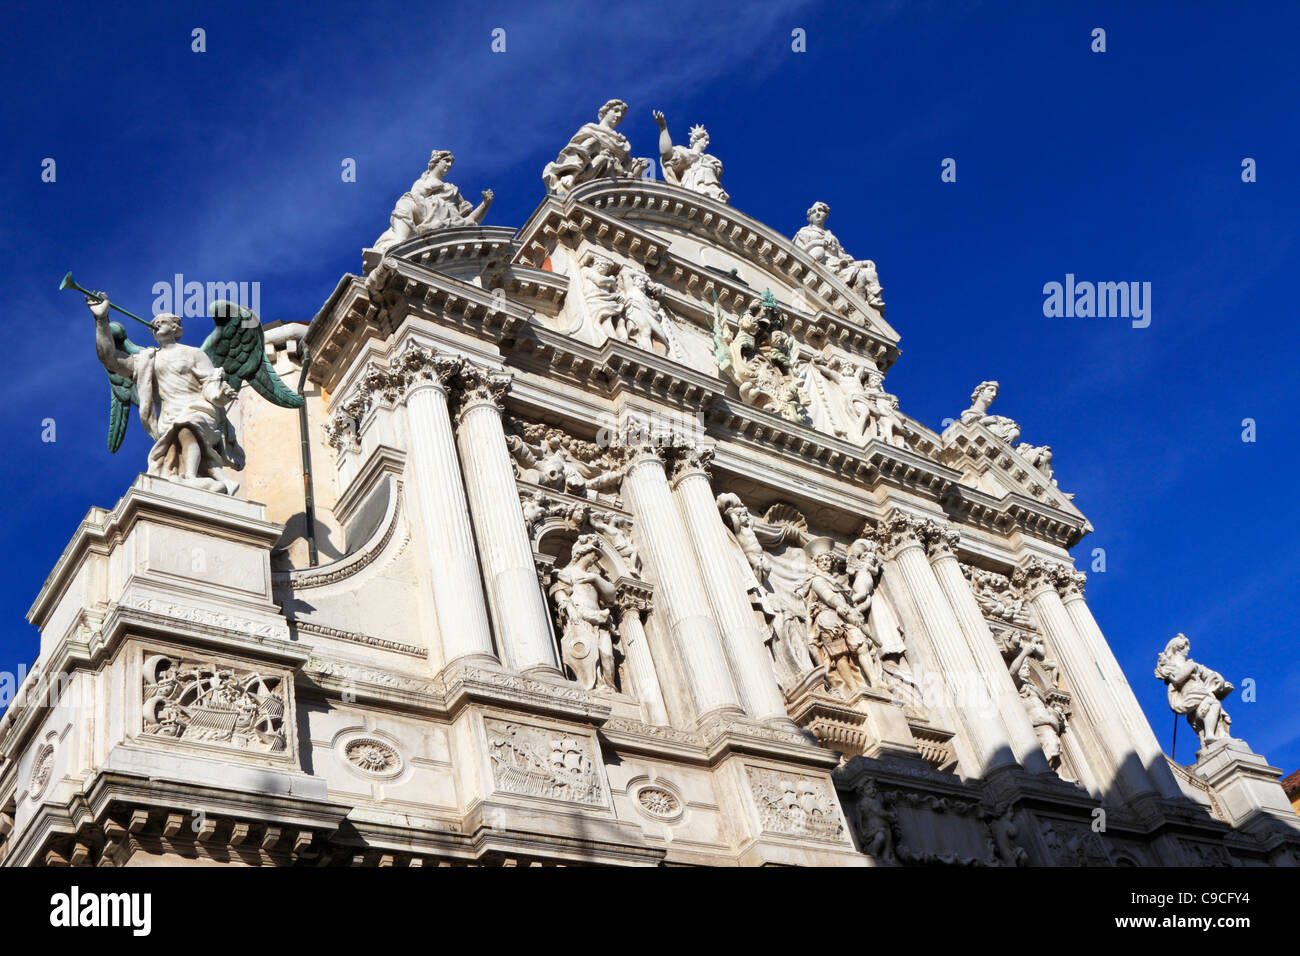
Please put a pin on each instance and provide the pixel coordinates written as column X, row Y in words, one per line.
column 620, row 553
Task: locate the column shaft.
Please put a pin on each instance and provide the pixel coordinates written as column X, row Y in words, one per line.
column 679, row 595
column 979, row 639
column 448, row 538
column 518, row 607
column 739, row 629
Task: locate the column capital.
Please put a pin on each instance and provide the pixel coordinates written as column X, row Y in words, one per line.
column 376, row 385
column 683, row 457
column 1035, row 573
column 418, row 366
column 902, row 529
column 475, row 385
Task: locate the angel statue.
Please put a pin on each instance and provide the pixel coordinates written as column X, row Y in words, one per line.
column 183, row 392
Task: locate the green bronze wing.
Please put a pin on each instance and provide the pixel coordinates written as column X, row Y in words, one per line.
column 121, row 392
column 238, row 347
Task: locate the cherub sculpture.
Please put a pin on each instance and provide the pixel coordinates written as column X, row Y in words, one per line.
column 183, row 392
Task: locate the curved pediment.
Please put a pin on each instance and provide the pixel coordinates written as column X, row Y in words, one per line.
column 663, row 220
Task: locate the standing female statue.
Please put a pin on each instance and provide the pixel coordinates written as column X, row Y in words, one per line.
column 690, row 166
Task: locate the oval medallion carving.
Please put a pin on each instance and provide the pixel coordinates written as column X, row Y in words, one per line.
column 372, row 757
column 659, row 803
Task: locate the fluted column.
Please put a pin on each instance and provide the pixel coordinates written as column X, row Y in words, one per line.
column 901, row 544
column 632, row 603
column 1115, row 761
column 1070, row 587
column 680, row 595
column 518, row 608
column 448, row 537
column 939, row 545
column 741, row 636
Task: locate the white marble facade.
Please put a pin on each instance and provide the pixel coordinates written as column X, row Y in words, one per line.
column 628, row 557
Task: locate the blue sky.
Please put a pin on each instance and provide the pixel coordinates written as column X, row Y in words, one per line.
column 1122, row 166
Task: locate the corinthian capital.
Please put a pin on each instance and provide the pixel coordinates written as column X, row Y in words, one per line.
column 1069, row 581
column 1036, row 573
column 419, row 365
column 683, row 457
column 898, row 530
column 938, row 540
column 475, row 384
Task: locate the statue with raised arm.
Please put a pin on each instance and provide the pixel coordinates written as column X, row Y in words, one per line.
column 1195, row 691
column 596, row 150
column 822, row 246
column 690, row 166
column 183, row 392
column 431, row 204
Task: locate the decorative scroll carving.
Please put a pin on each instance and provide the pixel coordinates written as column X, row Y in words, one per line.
column 822, row 246
column 757, row 356
column 42, row 769
column 1195, row 691
column 594, row 151
column 795, row 805
column 203, row 700
column 540, row 762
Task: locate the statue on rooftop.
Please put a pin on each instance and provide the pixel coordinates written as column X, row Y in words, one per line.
column 822, row 246
column 690, row 166
column 431, row 204
column 596, row 150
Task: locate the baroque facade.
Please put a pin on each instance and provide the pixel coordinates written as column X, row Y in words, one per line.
column 626, row 556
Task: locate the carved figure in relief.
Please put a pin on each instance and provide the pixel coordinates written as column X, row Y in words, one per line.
column 618, row 531
column 584, row 599
column 822, row 246
column 547, row 460
column 1195, row 691
column 646, row 322
column 602, row 295
column 596, row 150
column 980, row 400
column 875, row 824
column 1045, row 715
column 431, row 204
column 837, row 632
column 740, row 521
column 690, row 167
column 757, row 357
column 1005, row 832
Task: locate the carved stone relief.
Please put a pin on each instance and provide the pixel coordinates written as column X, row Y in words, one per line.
column 543, row 762
column 371, row 756
column 552, row 458
column 42, row 769
column 795, row 805
column 758, row 356
column 208, row 701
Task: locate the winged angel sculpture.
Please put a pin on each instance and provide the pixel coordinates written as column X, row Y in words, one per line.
column 183, row 392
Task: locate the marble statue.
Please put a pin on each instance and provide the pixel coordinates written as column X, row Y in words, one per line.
column 183, row 392
column 757, row 357
column 1195, row 691
column 822, row 246
column 618, row 531
column 885, row 422
column 596, row 150
column 980, row 400
column 431, row 204
column 584, row 598
column 690, row 166
column 837, row 632
column 646, row 323
column 1044, row 715
column 604, row 299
